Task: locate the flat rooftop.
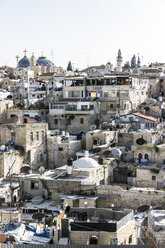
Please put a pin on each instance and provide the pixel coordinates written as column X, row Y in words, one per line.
column 157, row 219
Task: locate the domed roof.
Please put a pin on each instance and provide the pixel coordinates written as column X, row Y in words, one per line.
column 44, row 61
column 85, row 163
column 24, row 62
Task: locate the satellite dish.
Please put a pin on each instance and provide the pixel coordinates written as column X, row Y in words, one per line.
column 143, row 208
column 95, row 150
column 2, row 147
column 38, row 216
column 92, row 127
column 157, row 208
column 25, row 169
column 107, row 153
column 140, row 141
column 41, row 169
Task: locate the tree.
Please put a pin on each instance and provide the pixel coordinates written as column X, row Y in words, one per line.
column 133, row 62
column 138, row 62
column 126, row 65
column 69, row 68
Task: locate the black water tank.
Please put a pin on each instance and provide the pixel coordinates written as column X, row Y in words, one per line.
column 70, row 161
column 100, row 160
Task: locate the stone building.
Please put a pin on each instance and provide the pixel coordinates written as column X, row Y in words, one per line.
column 29, row 134
column 10, row 161
column 153, row 154
column 61, row 147
column 73, row 116
column 137, row 120
column 85, row 172
column 116, row 93
column 5, row 106
column 150, row 176
column 155, row 234
column 102, row 226
column 34, row 66
column 99, row 137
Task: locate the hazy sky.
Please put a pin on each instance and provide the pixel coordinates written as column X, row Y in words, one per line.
column 83, row 31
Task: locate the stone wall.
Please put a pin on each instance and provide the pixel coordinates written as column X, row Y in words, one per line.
column 11, row 159
column 132, row 198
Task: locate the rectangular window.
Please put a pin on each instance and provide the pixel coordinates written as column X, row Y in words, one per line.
column 60, row 149
column 34, row 185
column 31, row 136
column 73, row 93
column 91, row 107
column 111, row 105
column 12, row 136
column 37, row 135
column 56, row 121
column 84, row 107
column 153, row 177
column 130, row 239
column 81, row 120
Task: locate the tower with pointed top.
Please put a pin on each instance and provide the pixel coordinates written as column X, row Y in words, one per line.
column 119, row 61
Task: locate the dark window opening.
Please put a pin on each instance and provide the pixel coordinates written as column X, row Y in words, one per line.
column 81, row 120
column 34, row 185
column 60, row 149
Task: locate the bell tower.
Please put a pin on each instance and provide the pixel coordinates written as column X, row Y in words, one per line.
column 33, row 60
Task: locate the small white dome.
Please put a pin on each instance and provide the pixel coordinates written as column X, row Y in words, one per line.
column 85, row 163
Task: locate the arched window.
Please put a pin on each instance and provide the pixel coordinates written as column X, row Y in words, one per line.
column 140, row 156
column 93, row 240
column 146, row 156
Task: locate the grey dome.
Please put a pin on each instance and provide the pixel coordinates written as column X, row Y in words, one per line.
column 24, row 62
column 44, row 61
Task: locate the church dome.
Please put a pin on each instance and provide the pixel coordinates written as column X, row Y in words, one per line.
column 44, row 61
column 85, row 163
column 24, row 62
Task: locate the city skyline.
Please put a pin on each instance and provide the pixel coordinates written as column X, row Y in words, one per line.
column 87, row 33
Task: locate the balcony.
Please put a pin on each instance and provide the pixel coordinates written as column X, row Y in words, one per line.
column 75, row 110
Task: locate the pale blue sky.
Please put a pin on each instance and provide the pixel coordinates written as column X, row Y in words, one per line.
column 83, row 31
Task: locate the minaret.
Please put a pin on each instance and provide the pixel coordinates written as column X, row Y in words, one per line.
column 119, row 61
